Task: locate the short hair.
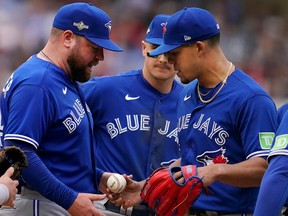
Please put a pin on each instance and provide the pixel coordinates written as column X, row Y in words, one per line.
column 213, row 41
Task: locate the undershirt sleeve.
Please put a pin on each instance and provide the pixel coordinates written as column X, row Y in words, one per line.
column 38, row 177
column 274, row 188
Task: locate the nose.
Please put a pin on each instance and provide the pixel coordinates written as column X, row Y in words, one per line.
column 163, row 58
column 100, row 55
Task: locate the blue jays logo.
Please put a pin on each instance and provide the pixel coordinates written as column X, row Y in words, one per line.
column 213, row 157
column 163, row 27
column 148, row 30
column 109, row 26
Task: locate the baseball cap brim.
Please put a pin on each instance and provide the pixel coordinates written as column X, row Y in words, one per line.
column 164, row 48
column 105, row 44
column 157, row 41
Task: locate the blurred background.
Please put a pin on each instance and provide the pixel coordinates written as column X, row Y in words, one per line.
column 253, row 34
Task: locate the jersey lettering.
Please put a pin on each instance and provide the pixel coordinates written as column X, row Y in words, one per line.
column 183, row 122
column 145, row 123
column 129, row 123
column 7, row 85
column 203, row 126
column 79, row 109
column 117, row 128
column 165, row 131
column 173, row 133
column 215, row 129
column 281, row 142
column 120, row 129
column 77, row 115
column 112, row 130
column 222, row 137
column 211, row 129
column 70, row 124
column 137, row 122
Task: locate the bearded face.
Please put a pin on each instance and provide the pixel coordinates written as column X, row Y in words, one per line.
column 79, row 70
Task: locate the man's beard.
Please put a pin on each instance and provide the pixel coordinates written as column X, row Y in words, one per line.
column 78, row 70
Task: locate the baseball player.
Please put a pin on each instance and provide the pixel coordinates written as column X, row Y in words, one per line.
column 134, row 113
column 273, row 194
column 226, row 120
column 281, row 112
column 43, row 112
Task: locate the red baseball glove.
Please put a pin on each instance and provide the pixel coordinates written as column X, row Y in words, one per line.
column 163, row 193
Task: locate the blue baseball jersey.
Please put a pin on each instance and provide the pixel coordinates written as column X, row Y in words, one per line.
column 135, row 126
column 238, row 124
column 273, row 193
column 281, row 112
column 42, row 107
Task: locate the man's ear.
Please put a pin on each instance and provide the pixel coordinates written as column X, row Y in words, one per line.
column 68, row 38
column 201, row 47
column 144, row 48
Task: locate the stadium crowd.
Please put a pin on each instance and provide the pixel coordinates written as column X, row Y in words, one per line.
column 255, row 34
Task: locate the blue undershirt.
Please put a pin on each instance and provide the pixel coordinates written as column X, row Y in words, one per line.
column 39, row 178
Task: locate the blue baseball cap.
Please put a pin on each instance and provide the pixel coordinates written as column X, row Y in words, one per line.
column 156, row 29
column 88, row 21
column 187, row 26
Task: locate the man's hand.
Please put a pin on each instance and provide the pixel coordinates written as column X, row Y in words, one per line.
column 130, row 196
column 83, row 205
column 11, row 185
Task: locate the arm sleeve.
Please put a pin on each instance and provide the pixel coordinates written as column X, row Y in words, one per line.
column 257, row 125
column 281, row 112
column 37, row 176
column 29, row 106
column 274, row 188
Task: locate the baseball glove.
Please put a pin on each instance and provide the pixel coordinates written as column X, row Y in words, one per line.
column 15, row 157
column 166, row 196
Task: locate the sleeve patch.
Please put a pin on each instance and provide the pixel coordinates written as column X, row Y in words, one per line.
column 281, row 142
column 266, row 139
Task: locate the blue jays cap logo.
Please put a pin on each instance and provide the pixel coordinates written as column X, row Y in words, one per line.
column 80, row 25
column 109, row 26
column 148, row 30
column 163, row 27
column 213, row 157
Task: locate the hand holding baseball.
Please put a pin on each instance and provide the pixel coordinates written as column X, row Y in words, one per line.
column 116, row 183
column 130, row 196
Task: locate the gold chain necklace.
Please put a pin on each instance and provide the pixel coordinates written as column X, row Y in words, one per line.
column 45, row 56
column 204, row 94
column 218, row 91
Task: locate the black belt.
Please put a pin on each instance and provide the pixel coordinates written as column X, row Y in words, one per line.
column 195, row 212
column 139, row 210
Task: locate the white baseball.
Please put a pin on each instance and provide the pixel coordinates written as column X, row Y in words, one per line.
column 116, row 183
